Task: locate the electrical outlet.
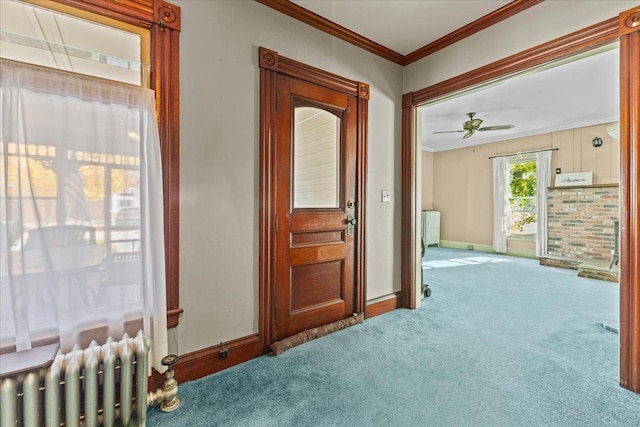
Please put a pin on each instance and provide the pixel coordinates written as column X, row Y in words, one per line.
column 223, row 353
column 386, row 196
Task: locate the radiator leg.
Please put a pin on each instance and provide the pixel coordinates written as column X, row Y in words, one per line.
column 8, row 403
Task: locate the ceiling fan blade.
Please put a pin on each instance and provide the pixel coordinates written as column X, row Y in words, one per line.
column 499, row 127
column 450, row 131
column 468, row 134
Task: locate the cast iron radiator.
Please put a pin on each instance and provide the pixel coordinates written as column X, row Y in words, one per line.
column 100, row 385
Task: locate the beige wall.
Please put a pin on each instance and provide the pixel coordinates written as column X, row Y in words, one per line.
column 427, row 180
column 219, row 95
column 219, row 113
column 462, row 179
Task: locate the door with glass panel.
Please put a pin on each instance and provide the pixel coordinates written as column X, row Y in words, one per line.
column 315, row 184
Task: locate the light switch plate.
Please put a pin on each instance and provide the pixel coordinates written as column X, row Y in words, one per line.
column 386, row 196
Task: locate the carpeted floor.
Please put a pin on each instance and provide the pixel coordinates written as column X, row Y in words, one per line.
column 501, row 341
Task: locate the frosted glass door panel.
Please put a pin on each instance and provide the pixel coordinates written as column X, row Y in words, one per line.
column 316, row 158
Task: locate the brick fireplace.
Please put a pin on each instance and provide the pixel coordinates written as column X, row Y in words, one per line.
column 581, row 221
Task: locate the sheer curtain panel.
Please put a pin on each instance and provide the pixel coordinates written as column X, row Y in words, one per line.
column 543, row 181
column 81, row 211
column 499, row 211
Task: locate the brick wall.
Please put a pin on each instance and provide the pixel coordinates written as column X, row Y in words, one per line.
column 580, row 221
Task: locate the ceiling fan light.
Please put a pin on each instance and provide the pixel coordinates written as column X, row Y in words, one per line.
column 475, row 123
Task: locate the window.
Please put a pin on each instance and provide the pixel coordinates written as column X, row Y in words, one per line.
column 521, row 196
column 81, row 199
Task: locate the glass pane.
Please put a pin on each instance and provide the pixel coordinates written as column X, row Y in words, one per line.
column 40, row 36
column 522, row 198
column 316, row 158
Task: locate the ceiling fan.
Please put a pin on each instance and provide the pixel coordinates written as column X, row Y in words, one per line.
column 472, row 125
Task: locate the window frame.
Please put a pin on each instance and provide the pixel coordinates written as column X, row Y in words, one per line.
column 511, row 161
column 162, row 20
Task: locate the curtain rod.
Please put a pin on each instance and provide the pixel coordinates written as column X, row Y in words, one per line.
column 524, row 152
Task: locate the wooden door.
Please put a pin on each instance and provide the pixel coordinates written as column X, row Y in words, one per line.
column 315, row 206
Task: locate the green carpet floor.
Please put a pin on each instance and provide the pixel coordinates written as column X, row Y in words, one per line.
column 501, row 341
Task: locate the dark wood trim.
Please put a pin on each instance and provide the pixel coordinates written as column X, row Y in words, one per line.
column 577, row 42
column 166, row 15
column 270, row 60
column 470, row 29
column 361, row 194
column 165, row 68
column 331, row 28
column 165, row 81
column 629, row 22
column 265, row 240
column 135, row 12
column 384, row 306
column 408, row 235
column 207, row 361
column 316, row 21
column 173, row 317
column 271, row 64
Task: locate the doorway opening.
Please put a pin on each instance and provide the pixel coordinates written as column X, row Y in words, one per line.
column 557, row 49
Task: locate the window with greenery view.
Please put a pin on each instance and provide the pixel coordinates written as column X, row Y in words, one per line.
column 521, row 198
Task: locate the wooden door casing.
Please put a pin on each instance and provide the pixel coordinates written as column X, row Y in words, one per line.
column 271, row 66
column 314, row 254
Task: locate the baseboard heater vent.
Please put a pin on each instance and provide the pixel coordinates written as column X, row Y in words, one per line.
column 304, row 336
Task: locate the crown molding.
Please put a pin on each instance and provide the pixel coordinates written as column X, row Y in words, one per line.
column 331, row 28
column 592, row 37
column 476, row 26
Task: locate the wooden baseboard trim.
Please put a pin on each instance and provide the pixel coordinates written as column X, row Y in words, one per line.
column 384, row 306
column 206, row 361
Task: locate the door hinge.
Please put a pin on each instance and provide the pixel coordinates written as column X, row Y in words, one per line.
column 275, row 313
column 276, row 223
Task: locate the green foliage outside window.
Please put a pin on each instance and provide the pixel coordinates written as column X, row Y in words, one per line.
column 522, row 183
column 523, row 180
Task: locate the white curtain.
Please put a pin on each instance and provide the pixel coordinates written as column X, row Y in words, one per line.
column 499, row 211
column 81, row 211
column 543, row 181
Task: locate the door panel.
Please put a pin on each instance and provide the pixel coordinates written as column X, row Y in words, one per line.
column 315, row 153
column 315, row 285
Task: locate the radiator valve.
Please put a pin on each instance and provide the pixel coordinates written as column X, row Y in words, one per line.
column 167, row 396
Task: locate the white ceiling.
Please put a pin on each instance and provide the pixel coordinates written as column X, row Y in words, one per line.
column 402, row 25
column 580, row 93
column 584, row 92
